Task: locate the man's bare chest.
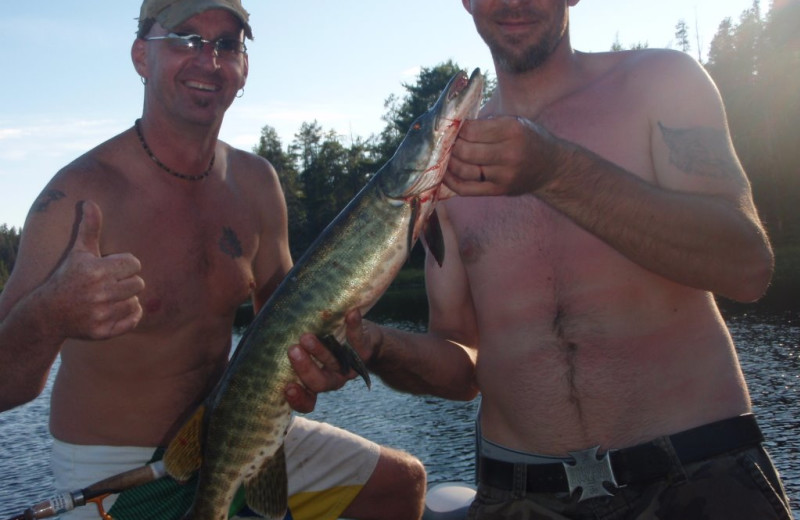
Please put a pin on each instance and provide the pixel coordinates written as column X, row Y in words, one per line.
column 525, row 228
column 191, row 270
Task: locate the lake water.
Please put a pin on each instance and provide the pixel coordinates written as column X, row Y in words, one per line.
column 440, row 432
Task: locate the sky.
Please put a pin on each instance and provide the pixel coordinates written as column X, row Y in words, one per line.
column 69, row 83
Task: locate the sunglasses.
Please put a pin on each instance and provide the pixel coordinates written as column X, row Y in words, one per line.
column 193, row 43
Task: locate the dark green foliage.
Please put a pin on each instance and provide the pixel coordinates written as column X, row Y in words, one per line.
column 9, row 244
column 756, row 65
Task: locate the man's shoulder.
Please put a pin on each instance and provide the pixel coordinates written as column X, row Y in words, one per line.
column 658, row 61
column 648, row 73
column 243, row 160
column 106, row 155
column 238, row 153
column 249, row 170
column 655, row 64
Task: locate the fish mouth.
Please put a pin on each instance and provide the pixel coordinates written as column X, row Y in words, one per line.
column 461, row 83
column 461, row 101
column 421, row 159
column 461, row 93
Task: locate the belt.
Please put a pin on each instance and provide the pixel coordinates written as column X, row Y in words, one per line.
column 634, row 465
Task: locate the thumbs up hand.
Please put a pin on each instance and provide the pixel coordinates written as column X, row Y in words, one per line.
column 96, row 296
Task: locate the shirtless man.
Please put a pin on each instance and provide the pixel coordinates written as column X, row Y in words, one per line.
column 133, row 263
column 601, row 206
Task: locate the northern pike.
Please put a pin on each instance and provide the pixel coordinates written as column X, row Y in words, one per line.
column 236, row 437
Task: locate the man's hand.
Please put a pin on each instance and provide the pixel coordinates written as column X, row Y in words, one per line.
column 502, row 155
column 96, row 296
column 318, row 370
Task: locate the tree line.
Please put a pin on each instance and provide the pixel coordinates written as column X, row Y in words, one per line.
column 756, row 65
column 754, row 61
column 320, row 174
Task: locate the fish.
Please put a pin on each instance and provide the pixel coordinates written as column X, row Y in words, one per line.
column 236, row 437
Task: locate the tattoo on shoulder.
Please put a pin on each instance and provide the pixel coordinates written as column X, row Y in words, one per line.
column 700, row 151
column 47, row 197
column 229, row 243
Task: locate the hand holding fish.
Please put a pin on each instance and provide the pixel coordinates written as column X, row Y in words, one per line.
column 96, row 296
column 502, row 155
column 318, row 369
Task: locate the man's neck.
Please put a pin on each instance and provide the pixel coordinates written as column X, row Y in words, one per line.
column 183, row 146
column 528, row 93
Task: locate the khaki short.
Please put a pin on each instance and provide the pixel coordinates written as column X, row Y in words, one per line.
column 327, row 467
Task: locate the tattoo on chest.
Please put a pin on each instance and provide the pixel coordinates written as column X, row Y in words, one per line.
column 700, row 151
column 47, row 197
column 229, row 243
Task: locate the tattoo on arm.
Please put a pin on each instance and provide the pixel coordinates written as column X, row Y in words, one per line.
column 229, row 243
column 41, row 204
column 701, row 151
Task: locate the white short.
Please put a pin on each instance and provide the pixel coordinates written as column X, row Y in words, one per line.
column 327, row 467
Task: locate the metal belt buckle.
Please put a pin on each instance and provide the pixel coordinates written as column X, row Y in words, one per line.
column 589, row 473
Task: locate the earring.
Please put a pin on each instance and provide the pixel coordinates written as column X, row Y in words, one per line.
column 241, row 93
column 143, row 79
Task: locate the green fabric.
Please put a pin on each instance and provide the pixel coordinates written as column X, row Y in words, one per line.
column 162, row 499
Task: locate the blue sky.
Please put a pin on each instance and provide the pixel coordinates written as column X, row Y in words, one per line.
column 69, row 84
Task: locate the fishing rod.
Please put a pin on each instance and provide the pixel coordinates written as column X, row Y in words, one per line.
column 94, row 494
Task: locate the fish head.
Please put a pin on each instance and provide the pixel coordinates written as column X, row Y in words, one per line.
column 417, row 168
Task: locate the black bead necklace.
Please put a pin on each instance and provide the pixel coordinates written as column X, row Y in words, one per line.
column 166, row 168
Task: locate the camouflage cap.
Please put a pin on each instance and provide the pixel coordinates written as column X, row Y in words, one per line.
column 171, row 13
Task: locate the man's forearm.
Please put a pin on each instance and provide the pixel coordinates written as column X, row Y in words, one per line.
column 699, row 240
column 424, row 364
column 26, row 354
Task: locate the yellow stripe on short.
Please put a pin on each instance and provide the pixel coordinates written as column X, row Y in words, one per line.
column 326, row 504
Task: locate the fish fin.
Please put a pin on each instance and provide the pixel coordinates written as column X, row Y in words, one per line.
column 184, row 453
column 433, row 238
column 347, row 358
column 412, row 222
column 267, row 492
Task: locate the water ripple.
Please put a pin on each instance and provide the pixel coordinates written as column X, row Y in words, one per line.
column 440, row 432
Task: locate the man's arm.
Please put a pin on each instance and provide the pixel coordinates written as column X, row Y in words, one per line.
column 696, row 225
column 415, row 363
column 84, row 296
column 440, row 362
